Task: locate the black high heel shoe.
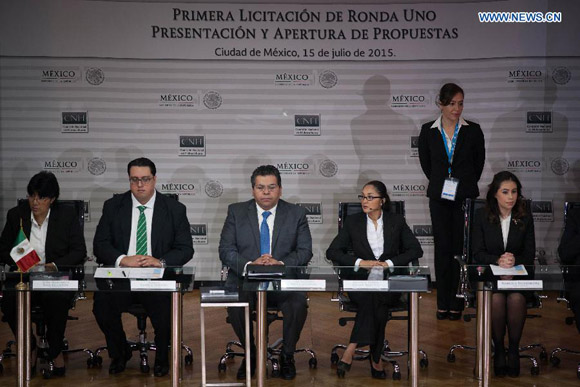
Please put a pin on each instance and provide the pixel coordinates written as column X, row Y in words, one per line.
column 342, row 368
column 513, row 363
column 499, row 363
column 377, row 374
column 52, row 370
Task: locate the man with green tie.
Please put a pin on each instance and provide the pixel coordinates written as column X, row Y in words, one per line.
column 140, row 228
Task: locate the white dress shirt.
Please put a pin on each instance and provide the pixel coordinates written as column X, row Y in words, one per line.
column 505, row 229
column 134, row 221
column 38, row 236
column 376, row 239
column 437, row 124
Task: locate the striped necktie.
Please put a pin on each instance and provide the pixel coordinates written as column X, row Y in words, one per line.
column 141, row 232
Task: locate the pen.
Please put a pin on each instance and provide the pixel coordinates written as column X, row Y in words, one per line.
column 124, row 275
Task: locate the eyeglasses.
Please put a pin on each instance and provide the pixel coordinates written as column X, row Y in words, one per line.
column 265, row 188
column 369, row 198
column 144, row 180
column 40, row 199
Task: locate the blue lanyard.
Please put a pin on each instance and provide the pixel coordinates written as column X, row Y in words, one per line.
column 453, row 142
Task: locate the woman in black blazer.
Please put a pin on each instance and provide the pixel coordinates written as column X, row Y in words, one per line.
column 503, row 234
column 452, row 151
column 41, row 218
column 379, row 240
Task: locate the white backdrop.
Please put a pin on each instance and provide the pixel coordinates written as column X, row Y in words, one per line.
column 84, row 92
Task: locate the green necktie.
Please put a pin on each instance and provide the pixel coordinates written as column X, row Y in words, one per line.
column 141, row 232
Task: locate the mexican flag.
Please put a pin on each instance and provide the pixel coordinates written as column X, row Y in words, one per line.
column 23, row 254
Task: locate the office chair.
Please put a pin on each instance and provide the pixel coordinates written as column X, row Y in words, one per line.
column 568, row 277
column 37, row 313
column 345, row 304
column 465, row 291
column 273, row 349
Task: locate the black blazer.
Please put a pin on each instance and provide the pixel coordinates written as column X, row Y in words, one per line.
column 468, row 160
column 170, row 233
column 487, row 241
column 569, row 248
column 65, row 242
column 400, row 245
column 240, row 237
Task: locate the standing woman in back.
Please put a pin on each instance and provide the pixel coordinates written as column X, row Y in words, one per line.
column 452, row 156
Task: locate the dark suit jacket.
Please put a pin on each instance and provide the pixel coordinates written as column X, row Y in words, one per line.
column 468, row 160
column 487, row 241
column 569, row 248
column 400, row 245
column 240, row 237
column 170, row 233
column 65, row 242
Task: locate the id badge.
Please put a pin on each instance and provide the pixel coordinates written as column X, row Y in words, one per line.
column 450, row 188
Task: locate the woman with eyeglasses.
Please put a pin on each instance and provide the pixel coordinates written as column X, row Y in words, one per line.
column 503, row 234
column 54, row 231
column 378, row 240
column 452, row 156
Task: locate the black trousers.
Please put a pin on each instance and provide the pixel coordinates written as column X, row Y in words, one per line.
column 447, row 222
column 108, row 307
column 55, row 307
column 371, row 320
column 294, row 309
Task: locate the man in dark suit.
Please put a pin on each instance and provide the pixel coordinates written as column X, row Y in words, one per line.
column 569, row 251
column 267, row 231
column 140, row 228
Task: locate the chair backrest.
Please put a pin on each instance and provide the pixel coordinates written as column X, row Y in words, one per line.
column 348, row 208
column 569, row 206
column 470, row 206
column 77, row 205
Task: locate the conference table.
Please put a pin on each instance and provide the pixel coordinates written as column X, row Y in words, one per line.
column 483, row 282
column 174, row 280
column 406, row 279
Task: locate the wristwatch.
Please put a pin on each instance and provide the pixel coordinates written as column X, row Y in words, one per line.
column 163, row 263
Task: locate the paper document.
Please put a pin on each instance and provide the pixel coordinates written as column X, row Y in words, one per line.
column 516, row 270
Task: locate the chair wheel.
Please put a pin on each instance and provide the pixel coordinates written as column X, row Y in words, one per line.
column 396, row 376
column 46, row 374
column 312, row 363
column 221, row 367
column 578, row 374
column 569, row 320
column 275, row 373
column 334, row 359
column 1, row 368
column 145, row 368
column 451, row 357
column 466, row 318
column 424, row 363
column 543, row 355
column 535, row 371
column 555, row 360
column 188, row 359
column 90, row 362
column 98, row 360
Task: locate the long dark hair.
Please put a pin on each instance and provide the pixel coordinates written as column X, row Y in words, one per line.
column 491, row 205
column 382, row 190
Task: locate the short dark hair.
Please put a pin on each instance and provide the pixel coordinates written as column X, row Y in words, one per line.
column 447, row 92
column 44, row 184
column 382, row 190
column 266, row 170
column 491, row 205
column 142, row 162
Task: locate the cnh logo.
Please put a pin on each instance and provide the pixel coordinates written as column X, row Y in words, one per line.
column 191, row 141
column 539, row 117
column 543, row 206
column 74, row 117
column 524, row 164
column 311, row 208
column 526, row 73
column 307, row 120
column 198, row 229
column 423, row 230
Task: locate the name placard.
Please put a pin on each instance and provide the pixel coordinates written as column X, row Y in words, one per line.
column 162, row 285
column 310, row 284
column 365, row 286
column 520, row 285
column 55, row 285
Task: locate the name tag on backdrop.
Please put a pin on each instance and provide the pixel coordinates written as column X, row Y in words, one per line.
column 449, row 188
column 55, row 285
column 520, row 285
column 365, row 286
column 288, row 284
